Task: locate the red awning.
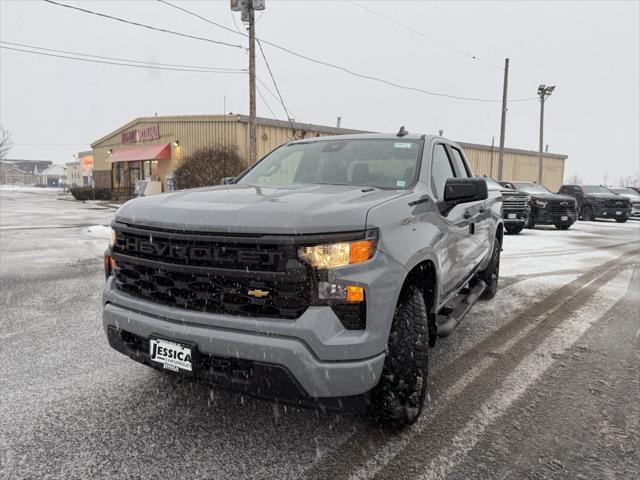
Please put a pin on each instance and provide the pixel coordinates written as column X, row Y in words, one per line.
column 142, row 152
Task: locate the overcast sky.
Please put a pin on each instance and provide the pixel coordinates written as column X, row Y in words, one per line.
column 590, row 50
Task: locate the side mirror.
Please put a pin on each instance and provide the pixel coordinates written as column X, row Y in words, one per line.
column 227, row 180
column 463, row 190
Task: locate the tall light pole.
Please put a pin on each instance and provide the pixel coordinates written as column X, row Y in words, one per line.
column 543, row 92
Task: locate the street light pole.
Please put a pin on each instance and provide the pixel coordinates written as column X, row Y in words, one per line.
column 543, row 92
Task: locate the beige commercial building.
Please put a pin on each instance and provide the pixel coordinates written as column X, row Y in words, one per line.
column 152, row 147
column 518, row 165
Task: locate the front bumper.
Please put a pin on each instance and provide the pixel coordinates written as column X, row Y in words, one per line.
column 515, row 218
column 611, row 212
column 322, row 358
column 545, row 216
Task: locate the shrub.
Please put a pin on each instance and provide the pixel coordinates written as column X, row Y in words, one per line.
column 207, row 167
column 90, row 193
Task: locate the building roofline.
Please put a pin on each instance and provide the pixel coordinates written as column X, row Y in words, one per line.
column 24, row 160
column 11, row 165
column 225, row 118
column 297, row 125
column 512, row 150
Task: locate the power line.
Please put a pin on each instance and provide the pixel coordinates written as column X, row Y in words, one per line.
column 143, row 25
column 344, row 69
column 275, row 84
column 266, row 87
column 142, row 62
column 428, row 37
column 116, row 63
column 264, row 100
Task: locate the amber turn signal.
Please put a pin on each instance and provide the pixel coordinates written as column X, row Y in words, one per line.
column 355, row 294
column 360, row 251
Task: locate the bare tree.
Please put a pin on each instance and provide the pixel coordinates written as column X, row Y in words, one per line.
column 5, row 142
column 574, row 180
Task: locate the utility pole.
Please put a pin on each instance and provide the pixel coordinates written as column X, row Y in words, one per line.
column 247, row 9
column 493, row 141
column 543, row 92
column 253, row 147
column 503, row 119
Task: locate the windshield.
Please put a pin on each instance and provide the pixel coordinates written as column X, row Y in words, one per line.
column 627, row 192
column 380, row 163
column 531, row 188
column 595, row 189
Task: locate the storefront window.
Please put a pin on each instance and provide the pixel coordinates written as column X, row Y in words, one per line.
column 125, row 174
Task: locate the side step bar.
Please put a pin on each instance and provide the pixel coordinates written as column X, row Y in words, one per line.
column 463, row 302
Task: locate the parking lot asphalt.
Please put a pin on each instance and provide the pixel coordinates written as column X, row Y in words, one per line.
column 540, row 382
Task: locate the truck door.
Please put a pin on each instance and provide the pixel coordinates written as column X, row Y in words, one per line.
column 456, row 246
column 478, row 212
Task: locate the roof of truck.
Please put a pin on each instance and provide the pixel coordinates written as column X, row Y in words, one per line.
column 360, row 136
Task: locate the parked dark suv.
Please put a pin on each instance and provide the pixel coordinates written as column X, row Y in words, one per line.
column 596, row 201
column 547, row 208
column 632, row 194
column 516, row 207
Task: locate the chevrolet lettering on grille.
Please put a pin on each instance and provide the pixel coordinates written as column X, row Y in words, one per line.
column 187, row 252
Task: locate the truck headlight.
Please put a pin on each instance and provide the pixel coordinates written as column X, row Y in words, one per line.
column 112, row 238
column 338, row 254
column 540, row 203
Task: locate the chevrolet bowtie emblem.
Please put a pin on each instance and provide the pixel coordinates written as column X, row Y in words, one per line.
column 258, row 293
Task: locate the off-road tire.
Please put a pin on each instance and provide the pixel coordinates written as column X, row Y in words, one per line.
column 563, row 226
column 398, row 398
column 586, row 214
column 514, row 230
column 491, row 274
column 621, row 220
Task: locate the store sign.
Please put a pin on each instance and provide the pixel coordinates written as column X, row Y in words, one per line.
column 141, row 134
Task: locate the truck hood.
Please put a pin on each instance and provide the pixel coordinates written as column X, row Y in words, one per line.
column 545, row 197
column 252, row 209
column 604, row 196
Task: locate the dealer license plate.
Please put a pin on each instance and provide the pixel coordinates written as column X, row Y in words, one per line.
column 564, row 218
column 618, row 213
column 173, row 356
column 511, row 215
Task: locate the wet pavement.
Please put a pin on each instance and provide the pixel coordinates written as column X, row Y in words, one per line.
column 540, row 382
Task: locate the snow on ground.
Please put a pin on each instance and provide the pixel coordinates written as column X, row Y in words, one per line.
column 69, row 400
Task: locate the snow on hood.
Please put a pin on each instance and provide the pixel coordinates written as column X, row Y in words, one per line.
column 252, row 209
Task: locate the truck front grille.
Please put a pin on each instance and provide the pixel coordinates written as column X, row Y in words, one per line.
column 203, row 281
column 514, row 202
column 562, row 207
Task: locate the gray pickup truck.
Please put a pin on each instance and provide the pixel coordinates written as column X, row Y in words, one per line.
column 321, row 276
